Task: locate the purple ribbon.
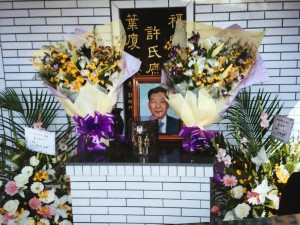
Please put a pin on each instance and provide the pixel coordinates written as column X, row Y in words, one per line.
column 95, row 128
column 219, row 168
column 195, row 138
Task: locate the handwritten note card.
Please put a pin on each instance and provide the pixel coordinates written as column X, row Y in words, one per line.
column 282, row 128
column 40, row 141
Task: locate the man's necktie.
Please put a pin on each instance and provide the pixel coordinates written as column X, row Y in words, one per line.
column 160, row 125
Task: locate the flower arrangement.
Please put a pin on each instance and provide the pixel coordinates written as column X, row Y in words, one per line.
column 217, row 64
column 206, row 74
column 250, row 176
column 34, row 188
column 32, row 198
column 65, row 66
column 85, row 74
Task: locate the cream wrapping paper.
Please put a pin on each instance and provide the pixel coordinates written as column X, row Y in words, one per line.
column 196, row 109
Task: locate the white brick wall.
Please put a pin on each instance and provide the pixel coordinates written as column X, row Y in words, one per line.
column 27, row 25
column 148, row 194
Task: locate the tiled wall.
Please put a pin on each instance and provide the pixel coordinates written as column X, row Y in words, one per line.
column 27, row 25
column 140, row 194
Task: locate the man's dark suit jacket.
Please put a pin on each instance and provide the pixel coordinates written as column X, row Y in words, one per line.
column 173, row 125
column 290, row 198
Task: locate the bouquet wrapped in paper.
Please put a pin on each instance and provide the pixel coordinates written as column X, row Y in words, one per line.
column 85, row 73
column 206, row 71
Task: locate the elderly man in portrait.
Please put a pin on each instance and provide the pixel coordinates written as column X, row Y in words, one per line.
column 158, row 107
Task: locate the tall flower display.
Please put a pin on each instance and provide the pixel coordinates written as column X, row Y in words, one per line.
column 206, row 71
column 32, row 198
column 34, row 188
column 251, row 174
column 85, row 74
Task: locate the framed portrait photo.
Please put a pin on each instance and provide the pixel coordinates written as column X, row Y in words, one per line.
column 148, row 100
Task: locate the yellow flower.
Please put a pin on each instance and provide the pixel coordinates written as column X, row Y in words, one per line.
column 77, row 84
column 41, row 175
column 66, row 83
column 238, row 172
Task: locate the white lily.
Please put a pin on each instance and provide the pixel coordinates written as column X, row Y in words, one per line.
column 83, row 60
column 273, row 196
column 260, row 158
column 262, row 189
column 61, row 208
column 201, row 64
column 192, row 61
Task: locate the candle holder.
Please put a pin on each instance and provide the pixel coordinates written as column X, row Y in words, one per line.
column 143, row 135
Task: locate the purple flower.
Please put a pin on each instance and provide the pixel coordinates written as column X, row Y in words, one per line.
column 203, row 51
column 217, row 178
column 175, row 72
column 55, row 66
column 242, row 76
column 46, row 57
column 223, row 92
column 195, row 38
column 173, row 51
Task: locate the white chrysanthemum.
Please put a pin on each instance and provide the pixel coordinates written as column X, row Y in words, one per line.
column 21, row 180
column 37, row 187
column 45, row 221
column 27, row 170
column 242, row 210
column 11, row 206
column 65, row 222
column 237, row 192
column 34, row 161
